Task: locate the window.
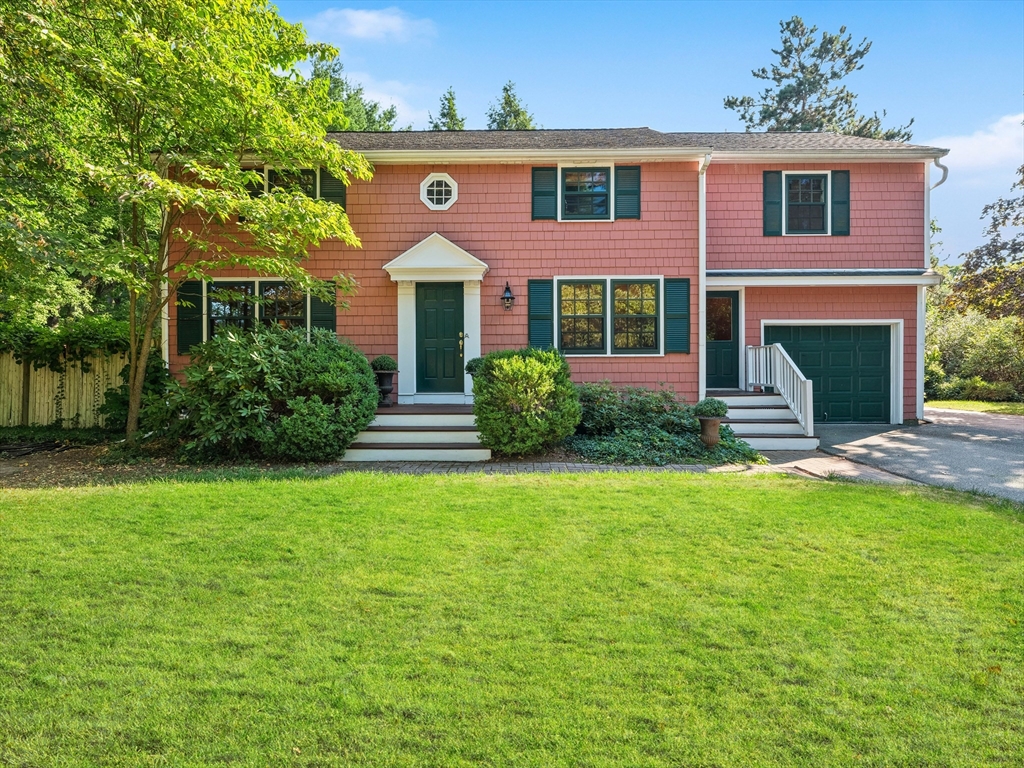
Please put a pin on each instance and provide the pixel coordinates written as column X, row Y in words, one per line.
column 304, row 181
column 806, row 198
column 282, row 305
column 806, row 203
column 634, row 316
column 585, row 193
column 313, row 183
column 229, row 304
column 439, row 191
column 581, row 316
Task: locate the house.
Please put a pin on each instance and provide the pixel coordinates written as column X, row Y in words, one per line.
column 794, row 264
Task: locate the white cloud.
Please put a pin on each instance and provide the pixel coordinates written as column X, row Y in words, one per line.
column 1000, row 145
column 389, row 92
column 389, row 24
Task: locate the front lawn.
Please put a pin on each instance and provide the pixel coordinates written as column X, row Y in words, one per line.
column 1016, row 409
column 542, row 620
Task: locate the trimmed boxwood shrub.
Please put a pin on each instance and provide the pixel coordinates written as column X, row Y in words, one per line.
column 524, row 401
column 270, row 393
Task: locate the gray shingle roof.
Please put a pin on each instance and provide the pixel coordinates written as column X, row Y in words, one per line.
column 621, row 138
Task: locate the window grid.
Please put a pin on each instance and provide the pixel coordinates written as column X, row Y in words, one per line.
column 439, row 192
column 581, row 316
column 282, row 306
column 278, row 304
column 586, row 193
column 634, row 316
column 233, row 307
column 806, row 199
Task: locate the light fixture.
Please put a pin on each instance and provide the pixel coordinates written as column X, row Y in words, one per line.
column 507, row 298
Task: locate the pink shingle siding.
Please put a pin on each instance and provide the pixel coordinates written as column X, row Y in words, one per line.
column 886, row 213
column 836, row 305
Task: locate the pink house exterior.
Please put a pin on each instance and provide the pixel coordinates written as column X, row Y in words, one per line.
column 647, row 258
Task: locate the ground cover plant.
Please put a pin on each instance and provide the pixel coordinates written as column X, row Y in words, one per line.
column 609, row 620
column 637, row 425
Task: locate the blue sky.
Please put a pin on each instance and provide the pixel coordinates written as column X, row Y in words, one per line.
column 957, row 68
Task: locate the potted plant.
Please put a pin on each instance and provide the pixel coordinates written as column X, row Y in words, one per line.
column 710, row 411
column 384, row 368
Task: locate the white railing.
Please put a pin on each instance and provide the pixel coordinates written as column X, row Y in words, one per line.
column 770, row 366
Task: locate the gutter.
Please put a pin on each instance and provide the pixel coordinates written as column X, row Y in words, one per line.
column 702, row 280
column 524, row 156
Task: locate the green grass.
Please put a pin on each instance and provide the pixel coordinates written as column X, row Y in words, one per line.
column 1016, row 409
column 542, row 620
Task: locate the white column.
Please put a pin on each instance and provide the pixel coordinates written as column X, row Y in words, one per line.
column 471, row 327
column 406, row 341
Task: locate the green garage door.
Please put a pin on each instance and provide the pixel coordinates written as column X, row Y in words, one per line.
column 849, row 365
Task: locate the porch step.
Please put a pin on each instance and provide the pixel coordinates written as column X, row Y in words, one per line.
column 752, row 399
column 781, row 442
column 420, row 433
column 758, row 412
column 744, row 427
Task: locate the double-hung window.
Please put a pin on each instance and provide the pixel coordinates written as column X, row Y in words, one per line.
column 581, row 316
column 604, row 316
column 635, row 317
column 585, row 193
column 312, row 182
column 570, row 193
column 806, row 203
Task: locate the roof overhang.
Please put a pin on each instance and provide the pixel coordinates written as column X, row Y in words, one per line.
column 435, row 258
column 525, row 156
column 742, row 278
column 848, row 156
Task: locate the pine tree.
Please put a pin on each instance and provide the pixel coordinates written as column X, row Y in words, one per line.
column 448, row 118
column 806, row 95
column 509, row 114
column 362, row 113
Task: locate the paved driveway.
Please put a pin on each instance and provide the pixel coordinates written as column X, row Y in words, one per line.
column 969, row 451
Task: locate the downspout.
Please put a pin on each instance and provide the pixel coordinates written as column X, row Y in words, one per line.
column 945, row 173
column 922, row 290
column 702, row 269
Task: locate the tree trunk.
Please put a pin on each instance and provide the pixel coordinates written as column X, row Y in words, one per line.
column 138, row 357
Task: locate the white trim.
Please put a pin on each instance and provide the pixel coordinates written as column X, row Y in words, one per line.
column 819, row 280
column 608, row 312
column 828, row 204
column 921, row 318
column 579, row 157
column 406, row 341
column 742, row 320
column 439, row 177
column 436, row 259
column 611, row 192
column 702, row 275
column 835, row 156
column 895, row 350
column 927, row 217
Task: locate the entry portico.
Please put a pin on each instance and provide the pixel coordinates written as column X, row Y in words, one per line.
column 435, row 259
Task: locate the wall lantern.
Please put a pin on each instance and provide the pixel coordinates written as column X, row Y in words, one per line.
column 507, row 298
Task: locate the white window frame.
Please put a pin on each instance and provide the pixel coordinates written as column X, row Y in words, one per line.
column 611, row 191
column 609, row 313
column 438, row 177
column 828, row 204
column 256, row 282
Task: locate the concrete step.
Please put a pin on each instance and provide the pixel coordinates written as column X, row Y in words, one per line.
column 765, row 427
column 402, row 418
column 781, row 442
column 419, row 434
column 362, row 451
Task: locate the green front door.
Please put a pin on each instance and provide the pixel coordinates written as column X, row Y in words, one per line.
column 722, row 340
column 439, row 338
column 849, row 365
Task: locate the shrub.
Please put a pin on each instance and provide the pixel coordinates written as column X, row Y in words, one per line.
column 384, row 363
column 269, row 392
column 657, row 447
column 976, row 388
column 473, row 366
column 996, row 353
column 711, row 407
column 524, row 401
column 607, row 409
column 154, row 388
column 934, row 376
column 963, row 346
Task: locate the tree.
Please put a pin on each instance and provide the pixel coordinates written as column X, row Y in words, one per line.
column 806, row 95
column 448, row 118
column 165, row 101
column 361, row 113
column 509, row 114
column 991, row 279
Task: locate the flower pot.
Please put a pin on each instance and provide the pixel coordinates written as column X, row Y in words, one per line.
column 709, row 430
column 385, row 386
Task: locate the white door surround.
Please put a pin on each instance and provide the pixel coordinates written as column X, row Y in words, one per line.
column 435, row 259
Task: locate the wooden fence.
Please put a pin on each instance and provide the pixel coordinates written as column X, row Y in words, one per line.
column 39, row 396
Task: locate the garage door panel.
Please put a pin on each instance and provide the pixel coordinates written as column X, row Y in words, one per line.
column 849, row 365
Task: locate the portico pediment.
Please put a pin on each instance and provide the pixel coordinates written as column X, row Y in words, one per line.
column 435, row 258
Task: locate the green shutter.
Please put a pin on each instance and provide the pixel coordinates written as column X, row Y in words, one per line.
column 332, row 189
column 322, row 314
column 773, row 203
column 627, row 192
column 190, row 318
column 677, row 314
column 545, row 193
column 840, row 202
column 541, row 313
